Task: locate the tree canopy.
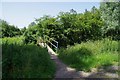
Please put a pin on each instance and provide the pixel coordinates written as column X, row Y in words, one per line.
column 71, row 27
column 8, row 30
column 110, row 14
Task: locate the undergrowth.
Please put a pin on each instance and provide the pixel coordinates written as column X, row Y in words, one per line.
column 90, row 54
column 25, row 61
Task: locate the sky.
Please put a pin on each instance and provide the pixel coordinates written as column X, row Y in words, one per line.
column 54, row 0
column 21, row 14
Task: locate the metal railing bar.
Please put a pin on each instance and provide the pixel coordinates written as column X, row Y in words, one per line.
column 48, row 39
column 52, row 44
column 53, row 40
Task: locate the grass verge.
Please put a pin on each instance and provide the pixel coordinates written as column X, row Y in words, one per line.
column 91, row 54
column 25, row 61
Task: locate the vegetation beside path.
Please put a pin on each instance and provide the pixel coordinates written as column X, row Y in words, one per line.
column 86, row 40
column 91, row 54
column 25, row 61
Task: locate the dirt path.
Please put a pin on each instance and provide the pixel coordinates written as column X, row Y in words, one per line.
column 63, row 71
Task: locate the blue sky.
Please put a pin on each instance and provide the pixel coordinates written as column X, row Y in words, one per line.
column 53, row 0
column 23, row 13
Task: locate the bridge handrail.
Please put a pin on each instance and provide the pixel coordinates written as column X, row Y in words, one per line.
column 52, row 44
column 56, row 46
column 53, row 40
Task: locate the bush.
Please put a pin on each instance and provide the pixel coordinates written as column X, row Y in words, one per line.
column 30, row 39
column 90, row 54
column 25, row 61
column 71, row 27
column 77, row 57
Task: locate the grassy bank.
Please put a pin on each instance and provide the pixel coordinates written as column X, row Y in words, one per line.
column 90, row 54
column 25, row 61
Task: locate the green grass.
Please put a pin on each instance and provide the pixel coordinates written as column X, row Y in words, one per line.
column 13, row 40
column 90, row 54
column 25, row 61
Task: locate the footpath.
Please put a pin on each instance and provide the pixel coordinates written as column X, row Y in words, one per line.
column 67, row 73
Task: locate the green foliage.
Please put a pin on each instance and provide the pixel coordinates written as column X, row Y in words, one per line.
column 80, row 58
column 90, row 54
column 71, row 27
column 23, row 30
column 25, row 61
column 8, row 30
column 31, row 34
column 15, row 40
column 111, row 16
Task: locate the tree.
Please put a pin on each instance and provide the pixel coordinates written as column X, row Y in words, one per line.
column 70, row 27
column 31, row 24
column 8, row 30
column 111, row 17
column 30, row 33
column 67, row 28
column 23, row 30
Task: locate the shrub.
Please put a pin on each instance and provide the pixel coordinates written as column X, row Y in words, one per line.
column 90, row 54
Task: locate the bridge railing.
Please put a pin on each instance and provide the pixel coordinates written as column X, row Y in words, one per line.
column 49, row 40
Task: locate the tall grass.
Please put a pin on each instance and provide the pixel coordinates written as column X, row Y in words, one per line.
column 25, row 61
column 13, row 40
column 90, row 54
